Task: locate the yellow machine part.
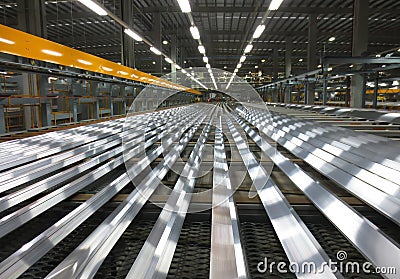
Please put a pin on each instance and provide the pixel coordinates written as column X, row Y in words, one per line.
column 23, row 44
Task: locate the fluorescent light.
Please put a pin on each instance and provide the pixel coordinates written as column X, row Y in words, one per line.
column 301, row 60
column 209, row 71
column 378, row 55
column 107, row 69
column 330, row 69
column 275, row 4
column 248, row 48
column 256, row 66
column 331, row 39
column 208, row 66
column 202, row 50
column 205, row 59
column 319, row 66
column 133, row 35
column 351, row 66
column 225, row 67
column 178, row 67
column 123, row 73
column 185, row 6
column 165, row 42
column 242, row 59
column 84, row 62
column 260, row 28
column 396, row 83
column 169, row 60
column 51, row 52
column 383, row 84
column 7, row 41
column 94, row 7
column 263, row 60
column 183, row 71
column 236, row 70
column 195, row 32
column 383, row 66
column 155, row 51
column 239, row 65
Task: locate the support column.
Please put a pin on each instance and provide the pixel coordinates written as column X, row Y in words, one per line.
column 156, row 36
column 325, row 91
column 96, row 105
column 2, row 120
column 174, row 56
column 45, row 106
column 311, row 56
column 359, row 48
column 127, row 43
column 376, row 88
column 275, row 58
column 288, row 67
column 31, row 17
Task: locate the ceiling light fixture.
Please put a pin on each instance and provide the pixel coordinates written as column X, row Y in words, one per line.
column 248, row 48
column 7, row 41
column 242, row 59
column 168, row 60
column 133, row 35
column 185, row 6
column 202, row 50
column 275, row 4
column 195, row 32
column 165, row 42
column 205, row 59
column 263, row 60
column 107, row 69
column 51, row 52
column 84, row 62
column 94, row 7
column 331, row 39
column 239, row 65
column 259, row 30
column 208, row 66
column 155, row 51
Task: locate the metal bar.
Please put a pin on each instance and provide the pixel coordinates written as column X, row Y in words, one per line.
column 21, row 216
column 360, row 60
column 299, row 244
column 227, row 259
column 374, row 173
column 338, row 212
column 21, row 260
column 384, row 203
column 156, row 254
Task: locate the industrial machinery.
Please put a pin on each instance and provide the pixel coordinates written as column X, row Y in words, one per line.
column 167, row 202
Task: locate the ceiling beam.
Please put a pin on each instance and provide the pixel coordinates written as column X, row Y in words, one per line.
column 294, row 10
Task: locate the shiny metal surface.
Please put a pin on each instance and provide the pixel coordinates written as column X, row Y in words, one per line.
column 318, row 167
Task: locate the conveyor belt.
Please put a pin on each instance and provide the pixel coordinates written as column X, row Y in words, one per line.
column 323, row 168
